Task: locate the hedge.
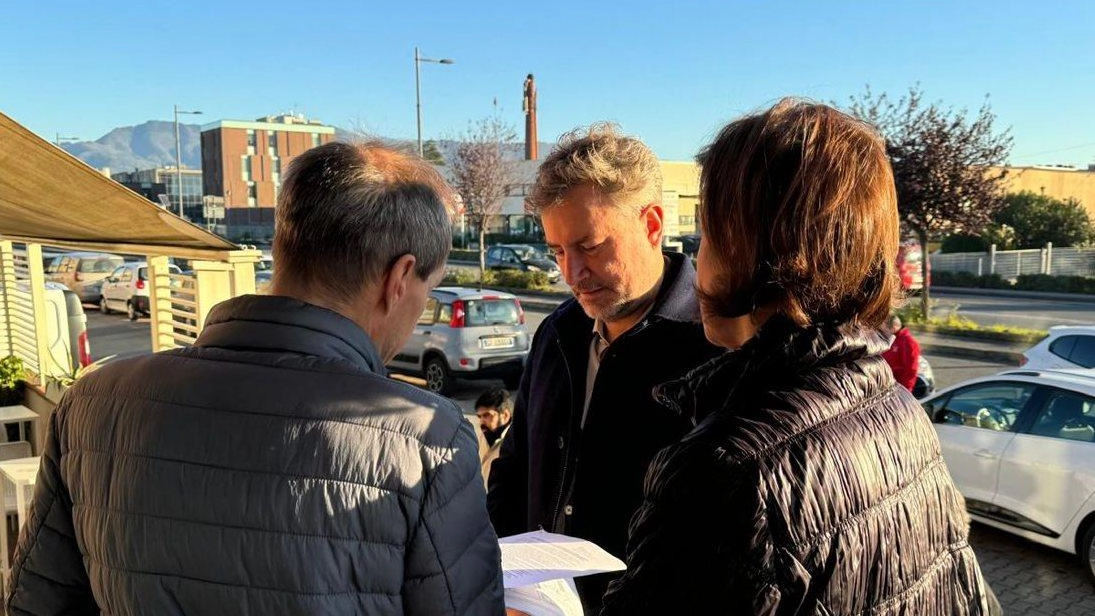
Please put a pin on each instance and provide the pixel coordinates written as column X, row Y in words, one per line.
column 1025, row 282
column 509, row 279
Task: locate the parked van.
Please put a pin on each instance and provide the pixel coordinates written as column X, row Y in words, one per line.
column 81, row 272
column 67, row 345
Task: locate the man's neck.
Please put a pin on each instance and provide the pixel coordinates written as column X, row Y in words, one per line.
column 637, row 310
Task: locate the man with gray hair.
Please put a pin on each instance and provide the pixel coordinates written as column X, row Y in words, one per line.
column 273, row 468
column 585, row 424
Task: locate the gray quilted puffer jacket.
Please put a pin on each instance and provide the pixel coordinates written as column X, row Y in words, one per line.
column 270, row 469
column 814, row 486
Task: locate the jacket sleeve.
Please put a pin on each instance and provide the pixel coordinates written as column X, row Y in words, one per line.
column 691, row 543
column 908, row 363
column 507, row 484
column 453, row 563
column 48, row 574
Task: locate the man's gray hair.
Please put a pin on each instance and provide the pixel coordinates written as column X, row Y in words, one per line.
column 347, row 212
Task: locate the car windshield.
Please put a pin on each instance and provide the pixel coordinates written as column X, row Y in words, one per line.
column 100, row 265
column 142, row 272
column 492, row 312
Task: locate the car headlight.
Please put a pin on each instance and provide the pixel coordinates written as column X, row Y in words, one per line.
column 533, row 268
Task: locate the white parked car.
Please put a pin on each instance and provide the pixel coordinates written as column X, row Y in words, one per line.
column 1020, row 446
column 126, row 290
column 1065, row 347
column 468, row 334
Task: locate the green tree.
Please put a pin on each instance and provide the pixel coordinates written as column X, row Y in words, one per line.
column 1040, row 219
column 941, row 162
column 431, row 153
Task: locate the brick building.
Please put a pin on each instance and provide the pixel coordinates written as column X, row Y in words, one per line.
column 243, row 162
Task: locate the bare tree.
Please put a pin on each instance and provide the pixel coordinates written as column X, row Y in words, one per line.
column 483, row 174
column 942, row 163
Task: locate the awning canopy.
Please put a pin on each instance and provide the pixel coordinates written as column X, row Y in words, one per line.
column 48, row 196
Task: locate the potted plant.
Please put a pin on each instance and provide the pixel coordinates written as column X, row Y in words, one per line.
column 12, row 380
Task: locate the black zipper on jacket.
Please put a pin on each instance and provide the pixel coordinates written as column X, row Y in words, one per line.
column 570, row 430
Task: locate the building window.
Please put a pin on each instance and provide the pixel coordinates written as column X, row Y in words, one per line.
column 272, row 142
column 315, row 139
column 250, row 141
column 252, row 194
column 245, row 168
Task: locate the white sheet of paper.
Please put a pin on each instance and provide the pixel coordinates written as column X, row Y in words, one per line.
column 550, row 598
column 539, row 556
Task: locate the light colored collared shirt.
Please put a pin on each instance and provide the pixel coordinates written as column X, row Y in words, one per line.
column 599, row 346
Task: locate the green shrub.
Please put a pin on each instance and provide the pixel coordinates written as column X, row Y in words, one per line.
column 1057, row 284
column 12, row 372
column 966, row 279
column 510, row 279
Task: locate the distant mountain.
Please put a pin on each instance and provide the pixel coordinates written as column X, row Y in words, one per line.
column 152, row 144
column 147, row 145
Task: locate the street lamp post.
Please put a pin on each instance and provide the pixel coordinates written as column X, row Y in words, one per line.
column 178, row 158
column 418, row 91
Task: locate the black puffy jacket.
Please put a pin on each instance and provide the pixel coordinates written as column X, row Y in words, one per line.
column 271, row 468
column 815, row 486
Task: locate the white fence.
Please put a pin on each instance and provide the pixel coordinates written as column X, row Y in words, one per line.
column 1013, row 263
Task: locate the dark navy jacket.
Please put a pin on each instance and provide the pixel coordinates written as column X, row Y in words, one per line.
column 588, row 482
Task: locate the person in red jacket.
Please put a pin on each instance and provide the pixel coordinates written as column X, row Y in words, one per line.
column 904, row 353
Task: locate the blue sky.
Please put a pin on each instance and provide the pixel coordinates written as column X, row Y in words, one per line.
column 670, row 72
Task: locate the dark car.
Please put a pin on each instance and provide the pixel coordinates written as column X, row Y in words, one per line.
column 522, row 257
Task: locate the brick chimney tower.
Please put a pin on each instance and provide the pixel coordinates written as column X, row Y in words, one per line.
column 532, row 144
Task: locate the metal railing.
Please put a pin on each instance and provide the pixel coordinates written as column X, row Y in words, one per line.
column 1014, row 263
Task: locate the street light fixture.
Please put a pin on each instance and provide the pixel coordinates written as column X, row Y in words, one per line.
column 59, row 140
column 178, row 158
column 418, row 90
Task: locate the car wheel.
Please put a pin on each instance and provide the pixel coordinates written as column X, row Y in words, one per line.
column 438, row 379
column 102, row 305
column 131, row 310
column 1087, row 551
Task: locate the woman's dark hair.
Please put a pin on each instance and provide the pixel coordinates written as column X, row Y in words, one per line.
column 798, row 211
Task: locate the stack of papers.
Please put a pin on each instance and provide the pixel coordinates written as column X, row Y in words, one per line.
column 538, row 571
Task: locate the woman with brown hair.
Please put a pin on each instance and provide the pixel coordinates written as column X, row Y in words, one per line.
column 814, row 484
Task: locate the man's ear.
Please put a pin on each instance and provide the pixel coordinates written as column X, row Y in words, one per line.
column 395, row 283
column 654, row 223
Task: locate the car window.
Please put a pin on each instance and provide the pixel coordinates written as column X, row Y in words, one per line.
column 1067, row 415
column 118, row 273
column 99, row 265
column 491, row 312
column 1083, row 352
column 525, row 252
column 54, row 264
column 66, row 264
column 492, row 253
column 428, row 312
column 1062, row 347
column 445, row 314
column 127, row 274
column 991, row 406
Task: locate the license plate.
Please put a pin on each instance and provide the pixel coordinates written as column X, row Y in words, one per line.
column 499, row 342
